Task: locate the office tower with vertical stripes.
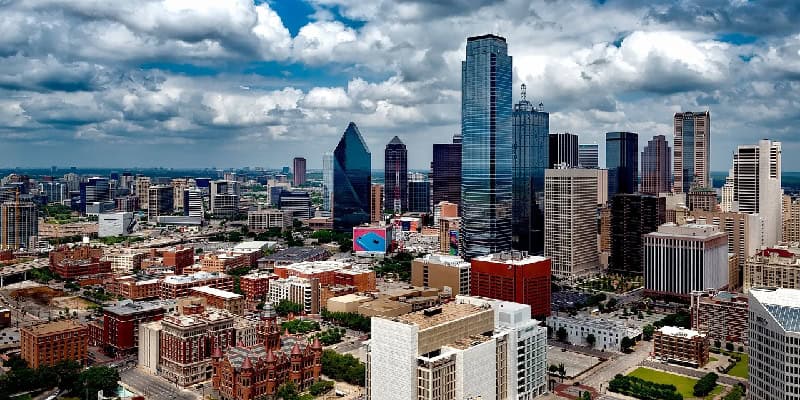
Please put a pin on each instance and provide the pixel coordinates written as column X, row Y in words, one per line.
column 395, row 177
column 692, row 149
column 656, row 166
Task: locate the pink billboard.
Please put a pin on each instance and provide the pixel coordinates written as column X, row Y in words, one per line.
column 370, row 239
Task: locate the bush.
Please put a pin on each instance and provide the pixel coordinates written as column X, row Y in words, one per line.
column 642, row 389
column 349, row 320
column 321, row 387
column 300, row 326
column 736, row 394
column 729, row 346
column 343, row 367
column 705, row 385
column 680, row 319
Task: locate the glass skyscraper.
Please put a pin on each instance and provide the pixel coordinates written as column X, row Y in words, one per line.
column 446, row 171
column 692, row 148
column 352, row 168
column 588, row 155
column 563, row 150
column 395, row 178
column 327, row 180
column 486, row 153
column 656, row 166
column 531, row 128
column 622, row 161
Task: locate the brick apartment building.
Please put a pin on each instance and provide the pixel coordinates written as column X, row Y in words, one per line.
column 513, row 276
column 173, row 287
column 187, row 342
column 121, row 324
column 136, row 287
column 680, row 346
column 255, row 286
column 177, row 258
column 224, row 262
column 720, row 315
column 48, row 344
column 330, row 273
column 221, row 299
column 71, row 263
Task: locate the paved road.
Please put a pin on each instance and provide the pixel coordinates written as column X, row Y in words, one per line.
column 154, row 387
column 607, row 355
column 724, row 379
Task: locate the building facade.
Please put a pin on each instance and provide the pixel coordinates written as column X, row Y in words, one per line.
column 570, row 215
column 563, row 150
column 608, row 334
column 352, row 174
column 692, row 150
column 588, row 155
column 622, row 161
column 757, row 186
column 395, row 176
column 446, row 171
column 720, row 315
column 632, row 216
column 180, row 286
column 50, row 343
column 680, row 346
column 773, row 267
column 487, row 156
column 419, row 195
column 187, row 343
column 121, row 324
column 19, row 225
column 298, row 171
column 656, row 169
column 443, row 272
column 681, row 259
column 376, row 200
column 115, row 224
column 531, row 129
column 161, row 201
column 264, row 220
column 513, row 276
column 744, row 237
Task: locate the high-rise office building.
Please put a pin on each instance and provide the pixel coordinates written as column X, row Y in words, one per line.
column 487, row 156
column 570, row 222
column 757, row 186
column 656, row 166
column 193, row 203
column 692, row 149
column 531, row 127
column 773, row 344
column 791, row 219
column 327, row 181
column 744, row 237
column 563, row 149
column 395, row 178
column 179, row 185
column 56, row 192
column 622, row 161
column 224, row 198
column 94, row 190
column 419, row 194
column 376, row 202
column 297, row 203
column 588, row 155
column 142, row 184
column 161, row 201
column 298, row 171
column 633, row 216
column 352, row 179
column 446, row 171
column 513, row 276
column 19, row 225
column 471, row 348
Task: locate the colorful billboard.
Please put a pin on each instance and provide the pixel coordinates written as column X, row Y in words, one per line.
column 453, row 243
column 370, row 239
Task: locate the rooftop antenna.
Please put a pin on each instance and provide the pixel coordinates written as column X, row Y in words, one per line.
column 522, row 93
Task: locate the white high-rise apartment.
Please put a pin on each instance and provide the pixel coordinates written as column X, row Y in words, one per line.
column 726, row 205
column 468, row 349
column 570, row 221
column 193, row 203
column 773, row 344
column 757, row 186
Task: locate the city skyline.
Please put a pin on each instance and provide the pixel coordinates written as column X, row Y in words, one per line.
column 285, row 76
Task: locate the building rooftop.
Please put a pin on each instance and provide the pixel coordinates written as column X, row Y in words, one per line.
column 197, row 276
column 448, row 312
column 512, row 258
column 253, row 245
column 470, row 341
column 296, row 254
column 444, row 259
column 312, row 267
column 676, row 331
column 703, row 231
column 217, row 292
column 260, row 275
column 782, row 304
column 208, row 316
column 53, row 327
column 348, row 298
column 128, row 307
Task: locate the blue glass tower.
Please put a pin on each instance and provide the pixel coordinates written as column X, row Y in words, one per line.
column 531, row 143
column 486, row 150
column 352, row 168
column 622, row 161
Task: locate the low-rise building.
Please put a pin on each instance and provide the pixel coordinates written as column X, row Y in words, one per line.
column 221, row 299
column 71, row 263
column 264, row 220
column 140, row 286
column 255, row 286
column 187, row 343
column 293, row 255
column 608, row 334
column 513, row 276
column 50, row 343
column 224, row 261
column 115, row 224
column 773, row 267
column 247, row 331
column 180, row 285
column 720, row 315
column 680, row 346
column 121, row 324
column 346, row 304
column 124, row 261
column 444, row 272
column 297, row 290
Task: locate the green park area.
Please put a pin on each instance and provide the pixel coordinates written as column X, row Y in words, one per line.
column 683, row 384
column 740, row 369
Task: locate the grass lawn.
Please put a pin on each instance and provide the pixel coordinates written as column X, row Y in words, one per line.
column 713, row 358
column 685, row 385
column 740, row 369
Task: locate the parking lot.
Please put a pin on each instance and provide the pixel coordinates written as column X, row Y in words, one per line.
column 574, row 363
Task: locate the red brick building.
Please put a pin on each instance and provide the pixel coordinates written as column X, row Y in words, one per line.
column 176, row 286
column 136, row 287
column 121, row 324
column 70, row 263
column 178, row 258
column 513, row 276
column 51, row 343
column 255, row 286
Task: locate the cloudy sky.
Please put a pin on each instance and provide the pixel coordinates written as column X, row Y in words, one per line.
column 197, row 83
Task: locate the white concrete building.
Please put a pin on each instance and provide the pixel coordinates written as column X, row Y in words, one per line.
column 263, row 220
column 608, row 334
column 115, row 224
column 468, row 349
column 245, row 331
column 124, row 261
column 297, row 290
column 679, row 259
column 149, row 346
column 774, row 344
column 193, row 203
column 570, row 221
column 757, row 186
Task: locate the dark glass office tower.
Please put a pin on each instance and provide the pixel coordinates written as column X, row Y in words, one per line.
column 486, row 152
column 656, row 170
column 622, row 161
column 419, row 199
column 588, row 155
column 395, row 179
column 446, row 172
column 692, row 150
column 352, row 168
column 632, row 216
column 531, row 127
column 563, row 150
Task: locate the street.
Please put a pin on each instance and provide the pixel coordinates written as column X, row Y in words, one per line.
column 599, row 377
column 154, row 387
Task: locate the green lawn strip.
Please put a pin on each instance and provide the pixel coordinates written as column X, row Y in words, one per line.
column 740, row 369
column 712, row 359
column 684, row 384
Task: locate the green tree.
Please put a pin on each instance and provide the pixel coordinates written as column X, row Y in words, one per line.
column 705, row 385
column 586, row 395
column 95, row 379
column 626, row 344
column 647, row 332
column 562, row 372
column 287, row 391
column 553, row 369
column 320, row 387
column 286, row 307
column 561, row 334
column 729, row 346
column 591, row 340
column 717, row 343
